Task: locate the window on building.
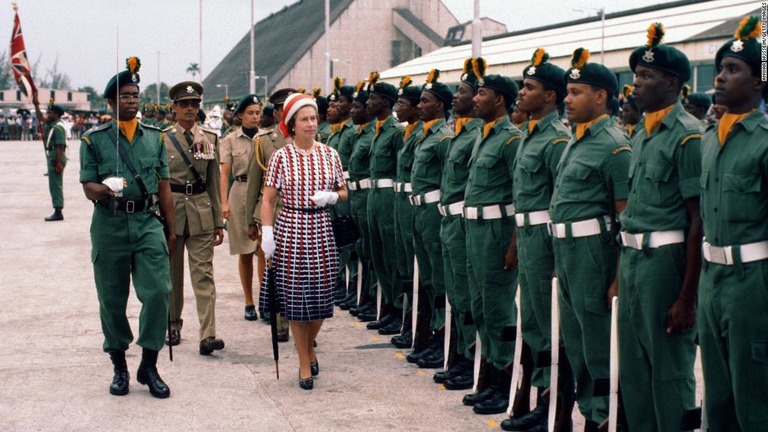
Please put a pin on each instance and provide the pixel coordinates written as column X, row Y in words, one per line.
column 69, row 96
column 18, row 95
column 625, row 77
column 705, row 77
column 396, row 57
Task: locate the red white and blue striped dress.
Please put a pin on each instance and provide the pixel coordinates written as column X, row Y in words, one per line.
column 306, row 259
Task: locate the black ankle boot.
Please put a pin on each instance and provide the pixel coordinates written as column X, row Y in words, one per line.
column 121, row 378
column 56, row 216
column 148, row 375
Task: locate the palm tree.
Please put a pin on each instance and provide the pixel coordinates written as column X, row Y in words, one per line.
column 194, row 69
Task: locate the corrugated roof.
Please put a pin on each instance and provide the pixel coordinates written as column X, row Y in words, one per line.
column 685, row 21
column 278, row 47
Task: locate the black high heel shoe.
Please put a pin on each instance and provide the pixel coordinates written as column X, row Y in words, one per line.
column 314, row 367
column 306, row 384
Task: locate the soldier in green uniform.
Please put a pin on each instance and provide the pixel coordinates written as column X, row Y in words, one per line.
column 360, row 184
column 387, row 140
column 162, row 121
column 126, row 236
column 630, row 115
column 453, row 183
column 733, row 287
column 193, row 161
column 534, row 179
column 265, row 143
column 428, row 156
column 660, row 256
column 697, row 103
column 323, row 126
column 56, row 159
column 488, row 213
column 407, row 100
column 342, row 139
column 590, row 187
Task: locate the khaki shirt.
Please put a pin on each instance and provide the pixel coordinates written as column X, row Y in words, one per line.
column 199, row 213
column 236, row 149
column 265, row 144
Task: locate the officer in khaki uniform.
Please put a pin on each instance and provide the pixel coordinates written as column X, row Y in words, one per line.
column 590, row 187
column 489, row 220
column 199, row 222
column 407, row 100
column 733, row 292
column 387, row 140
column 534, row 179
column 265, row 144
column 661, row 244
column 56, row 159
column 127, row 237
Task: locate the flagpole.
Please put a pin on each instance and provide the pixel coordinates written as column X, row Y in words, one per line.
column 35, row 101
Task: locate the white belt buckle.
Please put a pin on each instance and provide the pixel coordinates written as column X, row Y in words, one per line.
column 470, row 212
column 717, row 255
column 442, row 210
column 631, row 240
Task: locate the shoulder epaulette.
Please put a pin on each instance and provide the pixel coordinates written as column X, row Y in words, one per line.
column 560, row 140
column 148, row 126
column 513, row 137
column 85, row 138
column 689, row 123
column 621, row 149
column 445, row 137
column 101, row 128
column 690, row 137
column 617, row 134
column 209, row 131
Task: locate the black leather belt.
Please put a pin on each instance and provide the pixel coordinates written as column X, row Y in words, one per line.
column 241, row 178
column 307, row 210
column 189, row 188
column 128, row 206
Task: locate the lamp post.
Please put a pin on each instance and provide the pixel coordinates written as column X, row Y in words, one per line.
column 226, row 89
column 601, row 13
column 158, row 77
column 266, row 84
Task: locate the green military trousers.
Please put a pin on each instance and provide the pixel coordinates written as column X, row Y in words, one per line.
column 536, row 263
column 492, row 288
column 733, row 333
column 200, row 257
column 427, row 247
column 657, row 381
column 56, row 183
column 125, row 248
column 404, row 243
column 586, row 266
column 359, row 204
column 454, row 242
column 381, row 235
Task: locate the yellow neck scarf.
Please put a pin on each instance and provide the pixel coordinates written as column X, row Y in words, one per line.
column 532, row 124
column 409, row 128
column 653, row 120
column 581, row 128
column 361, row 127
column 379, row 123
column 630, row 130
column 128, row 128
column 429, row 124
column 727, row 122
column 488, row 126
column 460, row 122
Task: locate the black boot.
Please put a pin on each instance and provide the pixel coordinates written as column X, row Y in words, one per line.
column 119, row 386
column 340, row 293
column 148, row 375
column 56, row 216
column 436, row 359
column 464, row 379
column 499, row 402
column 528, row 421
column 484, row 388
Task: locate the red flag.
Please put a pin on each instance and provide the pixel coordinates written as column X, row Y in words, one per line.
column 21, row 71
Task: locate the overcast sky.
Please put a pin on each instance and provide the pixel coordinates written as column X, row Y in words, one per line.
column 90, row 39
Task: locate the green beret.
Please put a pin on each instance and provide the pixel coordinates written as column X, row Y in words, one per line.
column 56, row 109
column 438, row 89
column 162, row 111
column 626, row 96
column 186, row 90
column 322, row 104
column 246, row 101
column 700, row 99
column 468, row 75
column 501, row 84
column 128, row 76
column 408, row 91
column 339, row 89
column 360, row 95
column 744, row 46
column 268, row 110
column 386, row 90
column 656, row 55
column 543, row 71
column 278, row 97
column 594, row 74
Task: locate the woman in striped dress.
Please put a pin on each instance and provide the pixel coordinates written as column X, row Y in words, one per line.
column 308, row 177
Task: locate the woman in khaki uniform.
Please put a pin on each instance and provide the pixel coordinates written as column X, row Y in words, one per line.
column 235, row 154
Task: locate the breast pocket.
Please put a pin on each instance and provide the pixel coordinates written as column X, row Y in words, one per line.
column 741, row 196
column 487, row 171
column 457, row 168
column 529, row 169
column 580, row 175
column 423, row 165
column 655, row 179
column 240, row 160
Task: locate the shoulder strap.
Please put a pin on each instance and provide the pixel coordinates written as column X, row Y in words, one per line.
column 127, row 159
column 183, row 154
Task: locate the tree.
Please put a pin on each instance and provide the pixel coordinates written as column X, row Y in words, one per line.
column 194, row 69
column 98, row 103
column 149, row 94
column 6, row 76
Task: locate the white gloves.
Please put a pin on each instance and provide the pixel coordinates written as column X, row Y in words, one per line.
column 323, row 198
column 267, row 241
column 116, row 184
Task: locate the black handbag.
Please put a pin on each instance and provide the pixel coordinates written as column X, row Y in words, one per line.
column 345, row 231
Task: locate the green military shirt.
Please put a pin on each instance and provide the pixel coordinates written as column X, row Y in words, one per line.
column 536, row 161
column 343, row 141
column 665, row 170
column 455, row 168
column 428, row 157
column 55, row 135
column 405, row 154
column 601, row 156
column 323, row 132
column 266, row 142
column 734, row 183
column 387, row 141
column 360, row 159
column 491, row 165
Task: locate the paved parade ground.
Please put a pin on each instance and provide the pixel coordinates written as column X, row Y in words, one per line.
column 55, row 376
